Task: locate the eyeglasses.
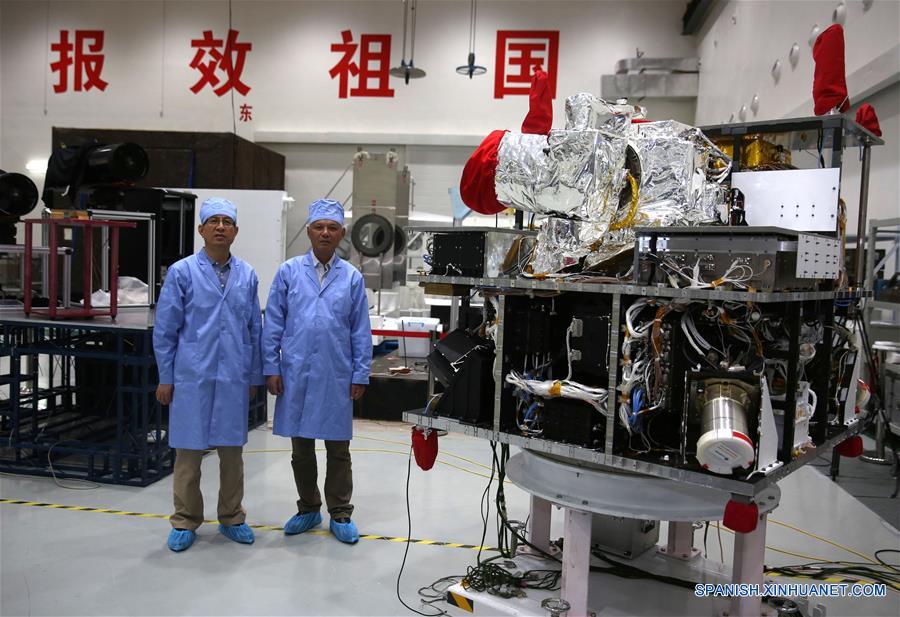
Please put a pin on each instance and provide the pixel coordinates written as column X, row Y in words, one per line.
column 215, row 222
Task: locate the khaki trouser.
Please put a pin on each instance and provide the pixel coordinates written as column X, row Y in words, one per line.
column 338, row 477
column 188, row 498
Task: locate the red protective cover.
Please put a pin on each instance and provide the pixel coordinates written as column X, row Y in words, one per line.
column 425, row 448
column 540, row 106
column 476, row 187
column 741, row 517
column 829, row 80
column 851, row 447
column 866, row 118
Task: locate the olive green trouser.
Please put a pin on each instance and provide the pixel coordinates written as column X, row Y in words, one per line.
column 338, row 477
column 188, row 498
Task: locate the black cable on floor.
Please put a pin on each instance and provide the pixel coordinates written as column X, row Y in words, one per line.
column 883, row 562
column 408, row 536
column 486, row 507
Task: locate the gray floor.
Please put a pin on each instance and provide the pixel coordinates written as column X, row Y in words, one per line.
column 65, row 562
column 871, row 484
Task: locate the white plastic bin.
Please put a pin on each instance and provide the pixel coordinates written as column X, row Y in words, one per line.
column 377, row 323
column 417, row 347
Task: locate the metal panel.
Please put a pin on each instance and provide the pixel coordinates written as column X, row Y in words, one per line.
column 738, row 487
column 451, row 229
column 818, row 257
column 380, row 188
column 498, row 361
column 378, row 272
column 571, row 284
column 375, row 185
column 803, row 131
column 401, row 222
column 613, row 494
column 799, row 199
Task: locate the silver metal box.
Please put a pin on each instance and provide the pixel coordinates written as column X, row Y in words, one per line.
column 770, row 258
column 628, row 537
column 381, row 194
column 478, row 251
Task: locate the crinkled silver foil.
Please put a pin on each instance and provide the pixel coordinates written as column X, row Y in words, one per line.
column 522, row 167
column 496, row 249
column 561, row 243
column 571, row 173
column 678, row 186
column 579, row 173
column 586, row 111
column 675, row 166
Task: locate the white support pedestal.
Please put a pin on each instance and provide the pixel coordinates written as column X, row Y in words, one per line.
column 680, row 543
column 576, row 561
column 581, row 492
column 747, row 567
column 539, row 523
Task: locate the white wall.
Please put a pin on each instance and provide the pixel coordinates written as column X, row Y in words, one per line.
column 148, row 51
column 294, row 100
column 738, row 48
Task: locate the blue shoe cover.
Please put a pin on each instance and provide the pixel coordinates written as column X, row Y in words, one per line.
column 302, row 522
column 345, row 532
column 181, row 539
column 239, row 533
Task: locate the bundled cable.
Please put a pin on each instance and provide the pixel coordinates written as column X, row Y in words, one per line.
column 551, row 388
column 498, row 581
column 738, row 275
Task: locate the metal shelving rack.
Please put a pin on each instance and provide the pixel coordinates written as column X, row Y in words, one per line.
column 82, row 399
column 889, row 230
column 888, row 423
column 829, row 431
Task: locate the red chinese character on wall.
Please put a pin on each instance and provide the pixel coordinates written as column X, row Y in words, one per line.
column 246, row 113
column 519, row 52
column 374, row 64
column 229, row 61
column 87, row 66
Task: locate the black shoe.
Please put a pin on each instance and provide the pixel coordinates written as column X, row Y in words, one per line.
column 343, row 520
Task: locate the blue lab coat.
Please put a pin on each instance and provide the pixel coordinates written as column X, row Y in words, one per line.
column 207, row 343
column 319, row 340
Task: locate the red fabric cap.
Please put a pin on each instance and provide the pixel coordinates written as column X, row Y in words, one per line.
column 741, row 517
column 866, row 118
column 476, row 187
column 829, row 80
column 540, row 106
column 851, row 447
column 425, row 448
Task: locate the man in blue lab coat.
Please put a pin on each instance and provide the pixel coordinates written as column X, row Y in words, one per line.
column 317, row 350
column 206, row 338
